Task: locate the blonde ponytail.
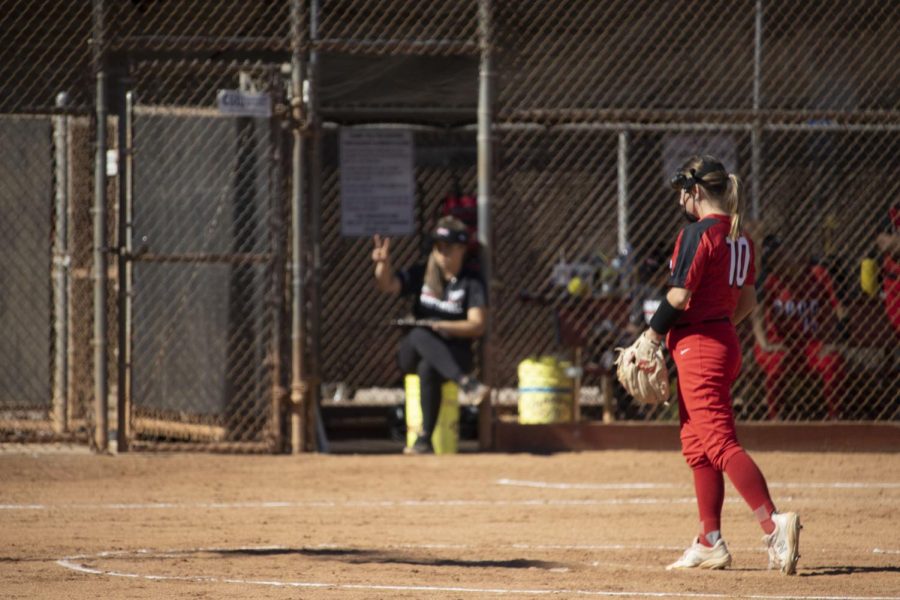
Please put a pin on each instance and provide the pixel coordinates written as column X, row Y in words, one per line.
column 434, row 280
column 434, row 277
column 734, row 204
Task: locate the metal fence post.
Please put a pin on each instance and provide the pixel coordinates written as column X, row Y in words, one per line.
column 756, row 132
column 485, row 177
column 623, row 194
column 299, row 393
column 277, row 265
column 125, row 249
column 315, row 221
column 100, row 276
column 485, row 141
column 61, row 263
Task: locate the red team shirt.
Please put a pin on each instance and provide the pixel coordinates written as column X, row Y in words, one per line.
column 891, row 271
column 795, row 312
column 713, row 267
column 891, row 265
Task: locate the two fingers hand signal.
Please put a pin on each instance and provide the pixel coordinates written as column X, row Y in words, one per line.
column 382, row 249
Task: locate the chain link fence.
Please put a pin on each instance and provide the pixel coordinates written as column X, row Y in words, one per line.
column 195, row 211
column 205, row 247
column 27, row 170
column 45, row 177
column 593, row 120
column 358, row 341
column 594, row 104
column 208, row 245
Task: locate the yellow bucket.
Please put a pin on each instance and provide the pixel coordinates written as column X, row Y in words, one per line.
column 545, row 391
column 445, row 438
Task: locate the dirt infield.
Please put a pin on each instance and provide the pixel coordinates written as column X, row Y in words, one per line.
column 593, row 524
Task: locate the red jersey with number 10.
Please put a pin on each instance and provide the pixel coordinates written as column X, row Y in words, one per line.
column 713, row 267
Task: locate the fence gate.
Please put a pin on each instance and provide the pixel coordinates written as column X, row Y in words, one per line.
column 28, row 346
column 206, row 258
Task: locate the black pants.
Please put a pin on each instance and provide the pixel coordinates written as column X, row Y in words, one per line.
column 435, row 360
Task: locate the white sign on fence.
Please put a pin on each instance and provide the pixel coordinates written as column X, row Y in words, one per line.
column 244, row 104
column 378, row 187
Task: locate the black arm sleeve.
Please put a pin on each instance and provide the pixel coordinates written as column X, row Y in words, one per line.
column 664, row 317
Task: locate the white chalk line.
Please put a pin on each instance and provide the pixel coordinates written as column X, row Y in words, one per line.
column 449, row 503
column 588, row 486
column 74, row 563
column 836, row 485
column 537, row 502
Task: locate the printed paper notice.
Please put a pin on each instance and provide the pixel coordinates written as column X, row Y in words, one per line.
column 377, row 183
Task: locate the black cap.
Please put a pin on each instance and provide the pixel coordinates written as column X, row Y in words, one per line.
column 445, row 234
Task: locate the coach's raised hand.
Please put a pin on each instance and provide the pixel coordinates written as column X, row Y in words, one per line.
column 385, row 280
column 382, row 251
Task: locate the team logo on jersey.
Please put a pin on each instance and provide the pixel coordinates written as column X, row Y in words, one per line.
column 798, row 309
column 452, row 305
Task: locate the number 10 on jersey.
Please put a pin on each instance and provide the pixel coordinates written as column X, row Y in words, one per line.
column 739, row 263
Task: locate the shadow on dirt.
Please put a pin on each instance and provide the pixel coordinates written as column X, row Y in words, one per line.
column 845, row 570
column 362, row 556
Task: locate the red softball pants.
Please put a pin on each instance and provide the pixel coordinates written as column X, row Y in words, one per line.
column 708, row 358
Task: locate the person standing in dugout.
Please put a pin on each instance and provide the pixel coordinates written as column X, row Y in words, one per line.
column 451, row 302
column 796, row 327
column 888, row 242
column 711, row 290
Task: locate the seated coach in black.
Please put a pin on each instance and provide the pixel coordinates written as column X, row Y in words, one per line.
column 450, row 308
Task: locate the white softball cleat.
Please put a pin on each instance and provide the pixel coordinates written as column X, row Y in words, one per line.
column 783, row 544
column 699, row 556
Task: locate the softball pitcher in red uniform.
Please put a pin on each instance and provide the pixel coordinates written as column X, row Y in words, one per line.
column 711, row 290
